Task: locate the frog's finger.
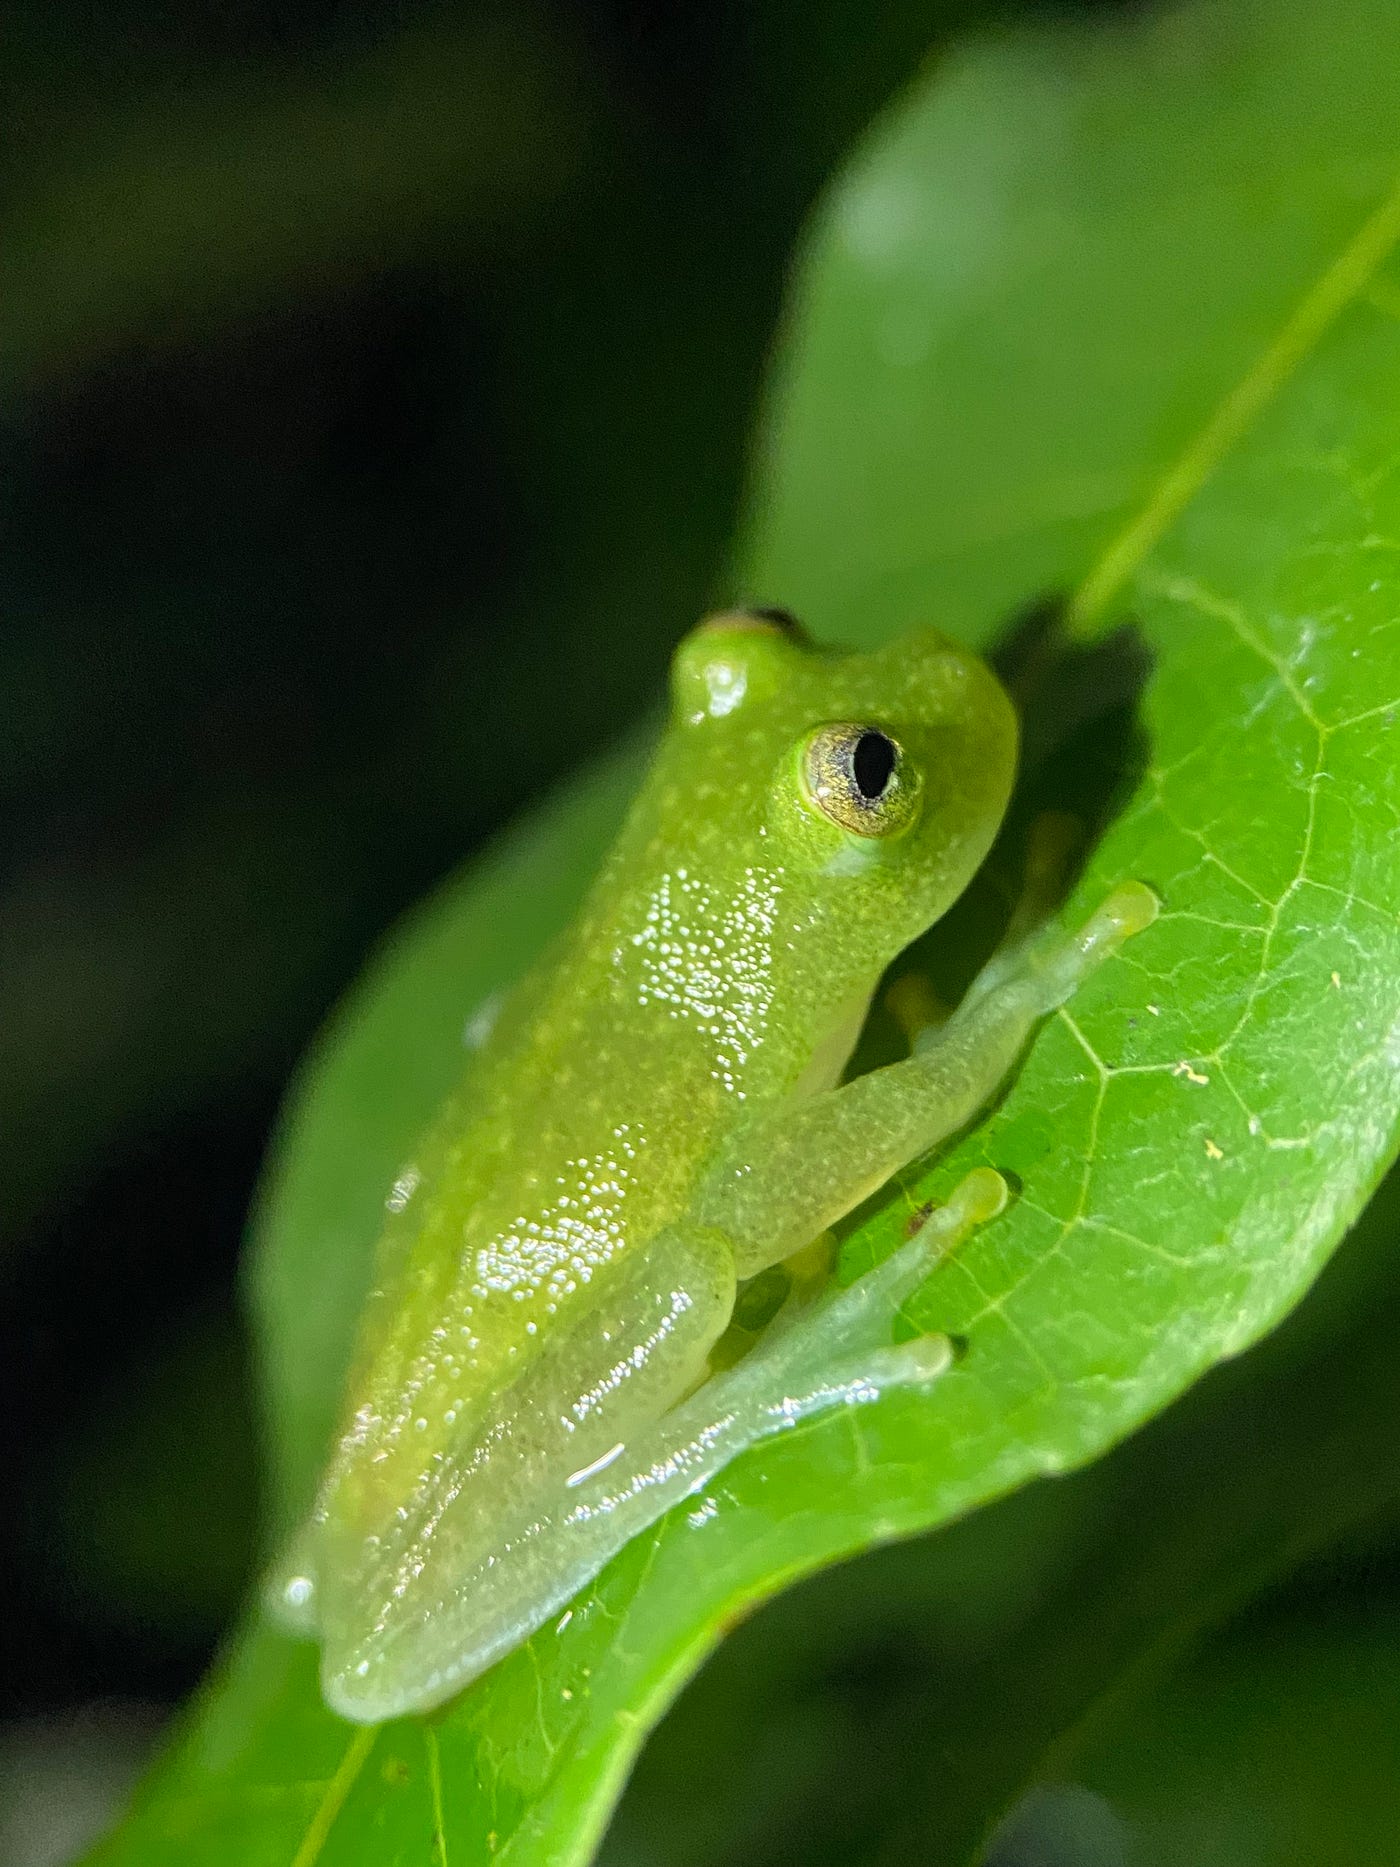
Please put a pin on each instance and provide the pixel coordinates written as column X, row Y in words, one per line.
column 1129, row 909
column 939, row 1230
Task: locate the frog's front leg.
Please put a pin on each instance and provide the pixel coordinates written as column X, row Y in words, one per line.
column 796, row 1169
column 911, row 999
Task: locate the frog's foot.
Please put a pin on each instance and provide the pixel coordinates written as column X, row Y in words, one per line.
column 833, row 1352
column 845, row 1324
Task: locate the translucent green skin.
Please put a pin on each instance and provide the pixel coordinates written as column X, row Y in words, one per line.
column 562, row 1255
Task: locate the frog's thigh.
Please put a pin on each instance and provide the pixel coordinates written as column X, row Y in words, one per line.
column 637, row 1345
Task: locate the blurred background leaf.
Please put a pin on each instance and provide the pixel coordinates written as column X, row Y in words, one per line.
column 203, row 199
column 324, row 452
column 1281, row 1742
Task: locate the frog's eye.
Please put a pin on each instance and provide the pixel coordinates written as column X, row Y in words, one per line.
column 860, row 778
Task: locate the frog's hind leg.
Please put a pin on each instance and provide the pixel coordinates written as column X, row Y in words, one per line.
column 416, row 1600
column 832, row 1353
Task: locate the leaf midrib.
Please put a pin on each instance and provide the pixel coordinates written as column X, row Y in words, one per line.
column 337, row 1789
column 1337, row 287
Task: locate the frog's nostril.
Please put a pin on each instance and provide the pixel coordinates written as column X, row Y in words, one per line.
column 872, row 764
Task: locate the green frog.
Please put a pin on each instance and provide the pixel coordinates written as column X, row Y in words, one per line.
column 546, row 1361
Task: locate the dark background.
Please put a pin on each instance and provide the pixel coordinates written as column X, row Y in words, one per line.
column 376, row 383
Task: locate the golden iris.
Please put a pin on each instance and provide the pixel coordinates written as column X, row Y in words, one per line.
column 860, row 778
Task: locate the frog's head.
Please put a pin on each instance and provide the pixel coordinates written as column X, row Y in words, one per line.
column 871, row 783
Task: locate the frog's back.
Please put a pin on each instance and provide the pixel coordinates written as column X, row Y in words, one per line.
column 577, row 1136
column 579, row 1130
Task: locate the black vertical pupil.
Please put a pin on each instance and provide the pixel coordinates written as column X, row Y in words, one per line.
column 872, row 765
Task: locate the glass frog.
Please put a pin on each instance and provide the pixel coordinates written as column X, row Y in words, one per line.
column 657, row 1117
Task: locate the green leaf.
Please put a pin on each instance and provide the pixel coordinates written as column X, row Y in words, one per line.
column 1106, row 309
column 894, row 1706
